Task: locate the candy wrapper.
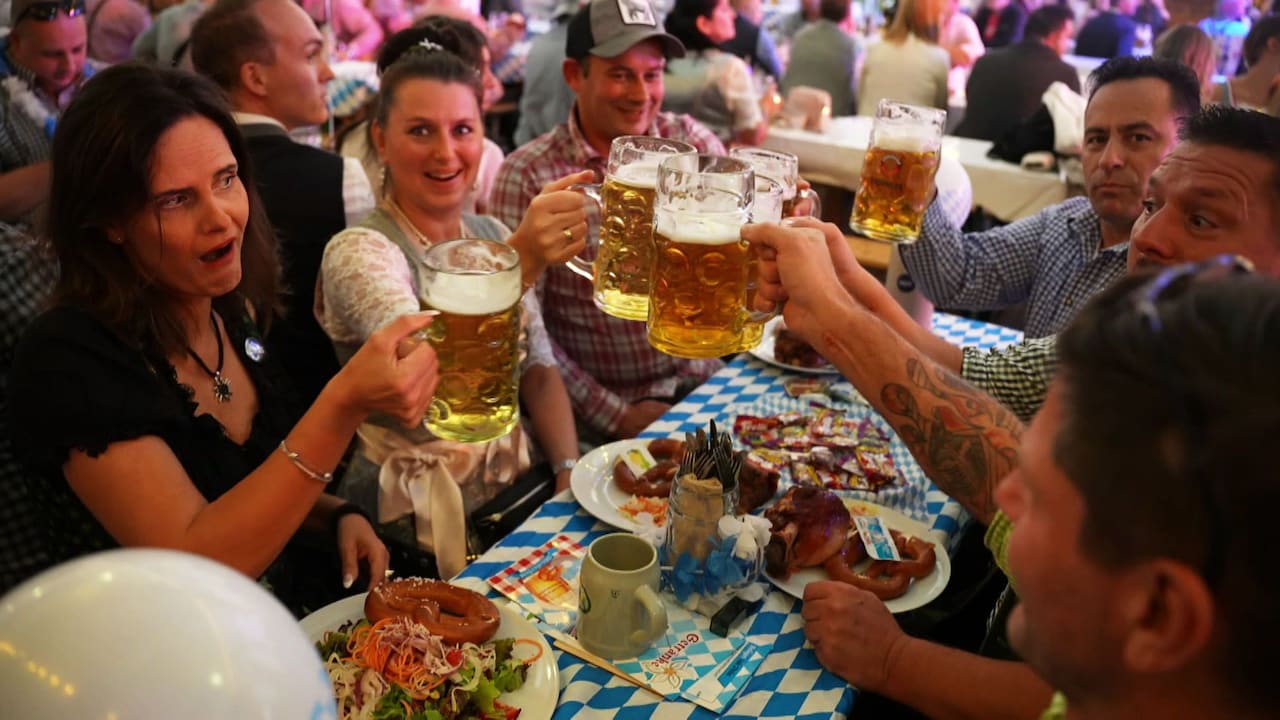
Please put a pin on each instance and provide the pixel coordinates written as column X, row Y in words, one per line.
column 806, row 386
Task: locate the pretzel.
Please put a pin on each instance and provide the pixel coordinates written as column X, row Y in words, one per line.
column 455, row 614
column 885, row 579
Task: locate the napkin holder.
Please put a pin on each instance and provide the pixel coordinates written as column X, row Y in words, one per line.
column 709, row 554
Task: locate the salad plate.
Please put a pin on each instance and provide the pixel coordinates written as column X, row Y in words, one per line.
column 536, row 699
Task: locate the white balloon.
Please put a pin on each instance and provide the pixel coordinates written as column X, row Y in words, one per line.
column 140, row 633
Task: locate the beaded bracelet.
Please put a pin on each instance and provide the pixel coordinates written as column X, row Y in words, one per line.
column 296, row 459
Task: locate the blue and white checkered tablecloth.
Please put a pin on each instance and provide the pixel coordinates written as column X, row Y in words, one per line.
column 789, row 683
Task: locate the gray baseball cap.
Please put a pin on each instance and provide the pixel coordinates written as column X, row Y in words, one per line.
column 608, row 28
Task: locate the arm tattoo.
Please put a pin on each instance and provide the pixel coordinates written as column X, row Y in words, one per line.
column 964, row 439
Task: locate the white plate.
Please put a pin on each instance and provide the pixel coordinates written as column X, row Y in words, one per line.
column 921, row 592
column 593, row 486
column 536, row 699
column 764, row 351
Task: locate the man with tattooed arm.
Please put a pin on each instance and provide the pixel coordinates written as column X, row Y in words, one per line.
column 1217, row 192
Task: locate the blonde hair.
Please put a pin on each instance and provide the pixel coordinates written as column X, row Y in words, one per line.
column 922, row 18
column 1191, row 46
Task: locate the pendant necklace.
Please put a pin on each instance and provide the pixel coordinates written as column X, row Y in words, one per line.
column 221, row 386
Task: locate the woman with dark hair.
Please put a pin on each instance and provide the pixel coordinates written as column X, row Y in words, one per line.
column 713, row 86
column 428, row 131
column 145, row 401
column 1258, row 88
column 462, row 39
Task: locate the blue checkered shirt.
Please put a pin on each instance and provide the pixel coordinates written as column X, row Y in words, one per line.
column 26, row 277
column 1053, row 261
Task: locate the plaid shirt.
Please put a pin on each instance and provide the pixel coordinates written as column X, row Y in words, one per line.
column 1018, row 376
column 607, row 363
column 1054, row 261
column 26, row 277
column 22, row 141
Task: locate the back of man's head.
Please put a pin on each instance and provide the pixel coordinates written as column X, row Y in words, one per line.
column 1047, row 20
column 837, row 11
column 1169, row 416
column 228, row 35
column 1184, row 86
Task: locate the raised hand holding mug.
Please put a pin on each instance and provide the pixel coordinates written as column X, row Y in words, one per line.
column 619, row 611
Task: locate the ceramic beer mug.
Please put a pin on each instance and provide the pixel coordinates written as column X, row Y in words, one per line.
column 619, row 611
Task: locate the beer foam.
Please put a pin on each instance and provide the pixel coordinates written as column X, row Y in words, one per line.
column 643, row 174
column 473, row 294
column 719, row 229
column 904, row 140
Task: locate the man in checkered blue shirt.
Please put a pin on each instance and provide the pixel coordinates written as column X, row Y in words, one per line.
column 1217, row 192
column 42, row 64
column 616, row 55
column 1057, row 259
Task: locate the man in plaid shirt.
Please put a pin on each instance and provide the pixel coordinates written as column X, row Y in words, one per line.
column 42, row 64
column 615, row 58
column 1057, row 259
column 1215, row 193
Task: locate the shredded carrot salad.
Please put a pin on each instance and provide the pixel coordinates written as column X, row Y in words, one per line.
column 655, row 506
column 395, row 668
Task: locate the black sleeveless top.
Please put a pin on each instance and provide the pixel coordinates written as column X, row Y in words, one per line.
column 75, row 385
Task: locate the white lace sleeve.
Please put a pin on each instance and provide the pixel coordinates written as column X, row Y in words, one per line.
column 365, row 282
column 540, row 352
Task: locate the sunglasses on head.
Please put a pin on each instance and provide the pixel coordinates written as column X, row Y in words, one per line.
column 1162, row 285
column 46, row 11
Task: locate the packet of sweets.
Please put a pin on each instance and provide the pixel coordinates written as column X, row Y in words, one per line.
column 877, row 464
column 799, row 387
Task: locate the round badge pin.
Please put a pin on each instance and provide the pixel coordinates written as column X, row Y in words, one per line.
column 254, row 350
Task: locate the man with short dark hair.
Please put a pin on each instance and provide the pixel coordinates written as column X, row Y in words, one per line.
column 1006, row 85
column 270, row 59
column 616, row 54
column 826, row 57
column 42, row 64
column 1057, row 259
column 1218, row 191
column 1140, row 512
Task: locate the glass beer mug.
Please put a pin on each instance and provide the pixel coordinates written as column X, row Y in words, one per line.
column 783, row 168
column 897, row 173
column 475, row 286
column 620, row 271
column 766, row 208
column 697, row 297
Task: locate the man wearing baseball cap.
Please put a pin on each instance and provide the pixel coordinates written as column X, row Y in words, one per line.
column 42, row 64
column 615, row 56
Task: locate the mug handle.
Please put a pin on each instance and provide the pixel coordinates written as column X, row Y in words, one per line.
column 576, row 264
column 655, row 617
column 815, row 204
